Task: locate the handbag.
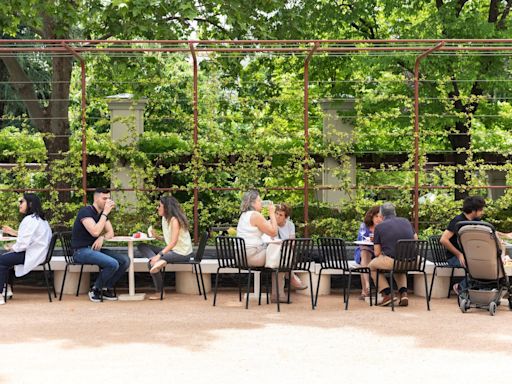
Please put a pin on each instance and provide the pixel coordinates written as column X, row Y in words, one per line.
column 273, row 255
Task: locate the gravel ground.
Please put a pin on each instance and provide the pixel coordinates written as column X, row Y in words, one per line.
column 186, row 340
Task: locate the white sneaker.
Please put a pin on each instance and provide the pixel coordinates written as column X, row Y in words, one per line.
column 2, row 300
column 9, row 292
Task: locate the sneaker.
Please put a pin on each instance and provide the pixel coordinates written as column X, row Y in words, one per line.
column 108, row 294
column 404, row 300
column 158, row 266
column 2, row 300
column 456, row 289
column 94, row 296
column 386, row 300
column 9, row 292
column 297, row 284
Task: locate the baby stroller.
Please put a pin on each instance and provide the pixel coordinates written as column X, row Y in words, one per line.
column 487, row 281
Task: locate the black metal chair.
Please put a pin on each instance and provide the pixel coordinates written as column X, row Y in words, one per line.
column 232, row 254
column 411, row 256
column 333, row 255
column 195, row 261
column 296, row 255
column 65, row 239
column 47, row 269
column 440, row 259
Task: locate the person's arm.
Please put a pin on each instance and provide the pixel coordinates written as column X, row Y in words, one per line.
column 96, row 228
column 175, row 233
column 109, row 233
column 267, row 227
column 377, row 250
column 25, row 233
column 445, row 242
column 9, row 230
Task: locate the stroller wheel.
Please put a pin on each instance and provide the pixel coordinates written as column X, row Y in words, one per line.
column 464, row 305
column 492, row 308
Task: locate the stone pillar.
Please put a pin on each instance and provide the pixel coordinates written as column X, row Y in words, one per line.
column 496, row 178
column 126, row 125
column 335, row 131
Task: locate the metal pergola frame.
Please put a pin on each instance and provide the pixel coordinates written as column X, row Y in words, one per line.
column 422, row 47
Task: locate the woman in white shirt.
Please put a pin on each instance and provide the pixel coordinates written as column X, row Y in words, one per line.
column 251, row 227
column 33, row 239
column 178, row 244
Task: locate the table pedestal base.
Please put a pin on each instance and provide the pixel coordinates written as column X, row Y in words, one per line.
column 136, row 297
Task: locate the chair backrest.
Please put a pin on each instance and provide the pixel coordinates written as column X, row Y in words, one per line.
column 65, row 240
column 51, row 247
column 333, row 253
column 296, row 254
column 231, row 252
column 481, row 249
column 439, row 256
column 202, row 246
column 410, row 255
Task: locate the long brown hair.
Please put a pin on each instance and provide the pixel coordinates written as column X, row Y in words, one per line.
column 172, row 208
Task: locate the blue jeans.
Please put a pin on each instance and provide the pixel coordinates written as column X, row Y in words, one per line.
column 454, row 262
column 112, row 266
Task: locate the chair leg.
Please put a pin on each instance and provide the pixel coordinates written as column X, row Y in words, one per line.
column 344, row 289
column 239, row 285
column 377, row 288
column 259, row 293
column 371, row 304
column 289, row 286
column 79, row 280
column 52, row 276
column 5, row 292
column 202, row 280
column 348, row 289
column 197, row 279
column 392, row 290
column 311, row 290
column 277, row 293
column 249, row 275
column 63, row 281
column 45, row 272
column 318, row 286
column 427, row 297
column 267, row 287
column 215, row 290
column 451, row 282
column 432, row 284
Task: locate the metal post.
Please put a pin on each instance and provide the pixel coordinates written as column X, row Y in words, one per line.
column 306, row 138
column 196, row 147
column 84, row 127
column 417, row 134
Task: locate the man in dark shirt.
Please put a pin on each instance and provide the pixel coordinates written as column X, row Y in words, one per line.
column 386, row 235
column 472, row 210
column 91, row 227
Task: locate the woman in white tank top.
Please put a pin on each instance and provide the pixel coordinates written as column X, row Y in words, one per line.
column 251, row 227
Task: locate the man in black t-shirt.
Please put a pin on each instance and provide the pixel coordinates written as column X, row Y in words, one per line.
column 472, row 210
column 90, row 228
column 386, row 235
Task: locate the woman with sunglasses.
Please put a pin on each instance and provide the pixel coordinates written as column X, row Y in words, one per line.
column 33, row 239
